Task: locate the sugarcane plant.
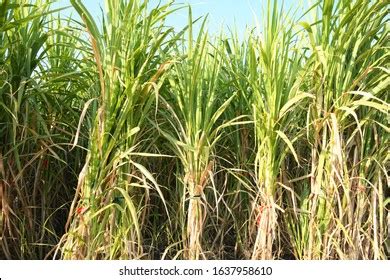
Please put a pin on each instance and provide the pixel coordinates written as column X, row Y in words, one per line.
column 274, row 78
column 125, row 137
column 104, row 220
column 37, row 120
column 348, row 44
column 192, row 106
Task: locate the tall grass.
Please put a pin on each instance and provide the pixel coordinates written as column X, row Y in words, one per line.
column 345, row 201
column 122, row 138
column 193, row 105
column 113, row 187
column 39, row 114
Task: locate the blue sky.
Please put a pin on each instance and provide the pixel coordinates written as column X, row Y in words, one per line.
column 238, row 13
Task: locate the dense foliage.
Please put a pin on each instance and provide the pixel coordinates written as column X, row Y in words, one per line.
column 127, row 139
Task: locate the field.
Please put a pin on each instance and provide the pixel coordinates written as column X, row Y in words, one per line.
column 127, row 139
